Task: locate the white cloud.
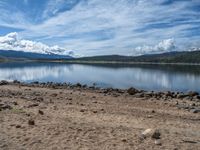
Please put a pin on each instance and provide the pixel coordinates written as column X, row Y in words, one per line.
column 163, row 46
column 11, row 41
column 133, row 23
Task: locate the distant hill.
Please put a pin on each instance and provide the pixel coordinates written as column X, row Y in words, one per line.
column 16, row 55
column 170, row 57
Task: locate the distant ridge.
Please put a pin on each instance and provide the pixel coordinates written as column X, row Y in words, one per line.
column 11, row 54
column 170, row 57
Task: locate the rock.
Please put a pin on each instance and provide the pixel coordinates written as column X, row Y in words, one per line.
column 153, row 133
column 192, row 93
column 156, row 134
column 3, row 82
column 158, row 142
column 15, row 103
column 36, row 82
column 149, row 116
column 181, row 95
column 169, row 94
column 31, row 122
column 195, row 110
column 5, row 106
column 40, row 99
column 78, row 85
column 181, row 106
column 124, row 140
column 82, row 110
column 16, row 82
column 94, row 111
column 40, row 112
column 139, row 95
column 132, row 91
column 18, row 126
column 54, row 94
column 32, row 105
column 147, row 133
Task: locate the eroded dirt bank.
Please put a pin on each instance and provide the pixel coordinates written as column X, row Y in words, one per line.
column 39, row 116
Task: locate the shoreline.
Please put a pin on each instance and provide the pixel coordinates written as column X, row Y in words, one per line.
column 65, row 116
column 101, row 62
column 132, row 91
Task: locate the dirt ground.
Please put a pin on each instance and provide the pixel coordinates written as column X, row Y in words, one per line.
column 35, row 118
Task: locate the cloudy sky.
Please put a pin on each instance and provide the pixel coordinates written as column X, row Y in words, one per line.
column 100, row 27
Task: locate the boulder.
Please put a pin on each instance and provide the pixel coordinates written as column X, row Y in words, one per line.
column 132, row 91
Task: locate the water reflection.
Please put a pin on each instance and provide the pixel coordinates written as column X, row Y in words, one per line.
column 147, row 77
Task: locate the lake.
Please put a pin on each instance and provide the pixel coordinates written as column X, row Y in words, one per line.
column 147, row 77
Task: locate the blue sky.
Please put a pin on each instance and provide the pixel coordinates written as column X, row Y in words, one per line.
column 100, row 27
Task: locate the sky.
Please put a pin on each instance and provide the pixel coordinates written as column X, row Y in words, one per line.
column 99, row 27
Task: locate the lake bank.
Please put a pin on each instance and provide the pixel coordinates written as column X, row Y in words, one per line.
column 65, row 116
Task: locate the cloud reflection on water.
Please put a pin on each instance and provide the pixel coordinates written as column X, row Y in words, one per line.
column 123, row 77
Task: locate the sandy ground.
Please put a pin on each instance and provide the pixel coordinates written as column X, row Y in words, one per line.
column 35, row 118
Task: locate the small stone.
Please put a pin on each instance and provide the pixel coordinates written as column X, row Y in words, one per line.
column 195, row 110
column 146, row 133
column 149, row 116
column 132, row 91
column 3, row 82
column 32, row 105
column 192, row 93
column 82, row 110
column 6, row 107
column 54, row 94
column 156, row 134
column 153, row 133
column 31, row 122
column 181, row 96
column 15, row 103
column 158, row 142
column 18, row 126
column 40, row 112
column 94, row 111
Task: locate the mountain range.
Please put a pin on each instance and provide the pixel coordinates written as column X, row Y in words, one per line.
column 169, row 57
column 21, row 55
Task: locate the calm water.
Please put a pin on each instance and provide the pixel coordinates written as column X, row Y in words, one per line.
column 146, row 77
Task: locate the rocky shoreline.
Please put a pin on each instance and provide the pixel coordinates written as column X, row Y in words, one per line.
column 181, row 98
column 65, row 116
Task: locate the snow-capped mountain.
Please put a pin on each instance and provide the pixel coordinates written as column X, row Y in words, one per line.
column 12, row 42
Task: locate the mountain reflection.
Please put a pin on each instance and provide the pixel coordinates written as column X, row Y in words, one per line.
column 142, row 77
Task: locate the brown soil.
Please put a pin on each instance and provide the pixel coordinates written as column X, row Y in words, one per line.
column 56, row 119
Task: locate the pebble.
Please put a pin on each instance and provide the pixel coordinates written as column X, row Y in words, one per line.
column 195, row 110
column 156, row 134
column 147, row 133
column 158, row 142
column 153, row 133
column 18, row 126
column 31, row 122
column 40, row 112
